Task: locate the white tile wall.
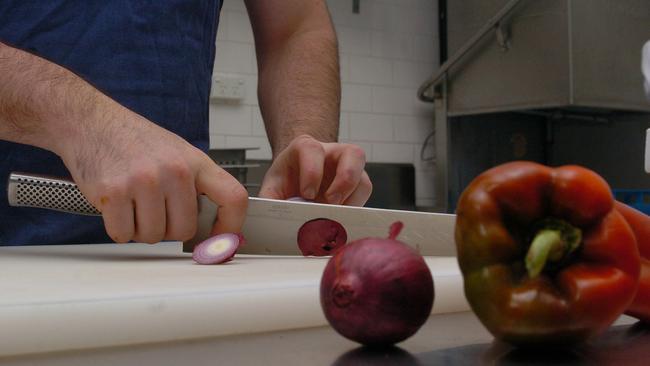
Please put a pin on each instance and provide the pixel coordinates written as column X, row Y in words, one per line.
column 238, row 27
column 354, row 41
column 344, row 126
column 386, row 51
column 258, row 123
column 410, row 74
column 235, row 5
column 235, row 57
column 230, row 119
column 393, row 46
column 425, row 50
column 392, row 100
column 392, row 152
column 370, row 70
column 344, row 64
column 371, row 127
column 356, row 98
column 411, row 129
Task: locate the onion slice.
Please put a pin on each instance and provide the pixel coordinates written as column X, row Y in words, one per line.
column 321, row 237
column 217, row 249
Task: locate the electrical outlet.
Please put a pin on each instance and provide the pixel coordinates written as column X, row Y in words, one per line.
column 227, row 88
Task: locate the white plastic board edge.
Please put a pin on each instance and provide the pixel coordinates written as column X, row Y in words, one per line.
column 58, row 326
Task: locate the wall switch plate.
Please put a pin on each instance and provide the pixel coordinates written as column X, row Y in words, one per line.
column 227, row 88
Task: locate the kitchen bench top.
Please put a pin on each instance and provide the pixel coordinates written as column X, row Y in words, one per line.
column 76, row 297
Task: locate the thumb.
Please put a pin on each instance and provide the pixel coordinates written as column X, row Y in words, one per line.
column 272, row 188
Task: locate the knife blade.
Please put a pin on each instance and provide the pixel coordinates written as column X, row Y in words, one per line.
column 271, row 225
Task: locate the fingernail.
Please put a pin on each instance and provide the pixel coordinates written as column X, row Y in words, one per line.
column 334, row 198
column 310, row 193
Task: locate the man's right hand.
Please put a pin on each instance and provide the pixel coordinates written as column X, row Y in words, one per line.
column 143, row 178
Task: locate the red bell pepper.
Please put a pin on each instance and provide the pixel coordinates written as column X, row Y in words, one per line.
column 640, row 224
column 545, row 256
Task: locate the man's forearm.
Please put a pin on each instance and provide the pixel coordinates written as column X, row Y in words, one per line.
column 40, row 101
column 299, row 84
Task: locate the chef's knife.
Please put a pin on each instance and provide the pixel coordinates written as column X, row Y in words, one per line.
column 271, row 225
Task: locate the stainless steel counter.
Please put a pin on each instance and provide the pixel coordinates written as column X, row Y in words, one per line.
column 450, row 339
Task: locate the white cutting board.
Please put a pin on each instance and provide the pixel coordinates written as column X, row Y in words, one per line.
column 55, row 298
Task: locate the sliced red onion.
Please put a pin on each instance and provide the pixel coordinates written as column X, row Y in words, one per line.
column 395, row 229
column 217, row 249
column 321, row 237
column 242, row 240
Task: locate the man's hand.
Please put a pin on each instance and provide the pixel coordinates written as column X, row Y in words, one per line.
column 143, row 178
column 299, row 92
column 324, row 172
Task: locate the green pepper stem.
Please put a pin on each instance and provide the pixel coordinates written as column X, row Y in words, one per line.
column 554, row 241
column 547, row 242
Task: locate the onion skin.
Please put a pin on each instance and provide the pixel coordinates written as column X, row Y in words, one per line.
column 217, row 249
column 377, row 292
column 321, row 237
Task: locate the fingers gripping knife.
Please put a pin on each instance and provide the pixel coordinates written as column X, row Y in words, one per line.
column 271, row 226
column 29, row 190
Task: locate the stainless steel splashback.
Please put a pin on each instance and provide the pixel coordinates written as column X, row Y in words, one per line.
column 572, row 54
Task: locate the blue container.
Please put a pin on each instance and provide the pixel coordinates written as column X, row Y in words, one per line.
column 639, row 199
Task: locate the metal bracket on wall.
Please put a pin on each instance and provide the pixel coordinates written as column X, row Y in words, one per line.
column 434, row 90
column 356, row 6
column 443, row 73
column 503, row 37
column 559, row 114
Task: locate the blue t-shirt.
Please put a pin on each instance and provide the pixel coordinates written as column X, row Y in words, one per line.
column 153, row 56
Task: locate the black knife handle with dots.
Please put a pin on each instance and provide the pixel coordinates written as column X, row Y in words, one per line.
column 30, row 190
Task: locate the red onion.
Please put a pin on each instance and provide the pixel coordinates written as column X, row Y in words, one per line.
column 377, row 291
column 217, row 249
column 321, row 237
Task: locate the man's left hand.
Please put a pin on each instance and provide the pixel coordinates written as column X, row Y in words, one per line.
column 319, row 171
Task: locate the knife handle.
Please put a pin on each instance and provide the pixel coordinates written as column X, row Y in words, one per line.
column 40, row 191
column 30, row 190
